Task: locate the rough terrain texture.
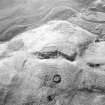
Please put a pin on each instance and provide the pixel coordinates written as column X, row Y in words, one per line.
column 58, row 63
column 52, row 52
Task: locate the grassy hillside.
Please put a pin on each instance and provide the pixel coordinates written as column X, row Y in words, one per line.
column 18, row 15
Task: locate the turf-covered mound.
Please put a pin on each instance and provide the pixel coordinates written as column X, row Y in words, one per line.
column 58, row 63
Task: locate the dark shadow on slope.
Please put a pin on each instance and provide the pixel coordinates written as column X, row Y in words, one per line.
column 55, row 54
